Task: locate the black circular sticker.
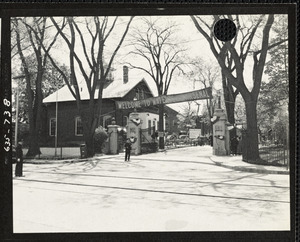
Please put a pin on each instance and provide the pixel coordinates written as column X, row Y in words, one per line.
column 225, row 29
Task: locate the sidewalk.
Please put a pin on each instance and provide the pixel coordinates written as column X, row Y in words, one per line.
column 231, row 162
column 51, row 160
column 236, row 163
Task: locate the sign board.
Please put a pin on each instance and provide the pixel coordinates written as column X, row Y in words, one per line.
column 194, row 133
column 166, row 99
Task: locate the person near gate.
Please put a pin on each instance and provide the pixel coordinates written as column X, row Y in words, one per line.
column 19, row 157
column 127, row 150
column 234, row 145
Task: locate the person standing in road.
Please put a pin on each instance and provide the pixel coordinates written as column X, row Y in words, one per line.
column 19, row 157
column 127, row 150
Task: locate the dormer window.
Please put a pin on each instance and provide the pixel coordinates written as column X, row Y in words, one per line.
column 142, row 94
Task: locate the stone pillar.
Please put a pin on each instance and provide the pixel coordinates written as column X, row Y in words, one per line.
column 133, row 133
column 113, row 139
column 220, row 134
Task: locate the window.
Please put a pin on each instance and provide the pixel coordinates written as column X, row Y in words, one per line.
column 137, row 94
column 149, row 127
column 78, row 127
column 142, row 94
column 52, row 126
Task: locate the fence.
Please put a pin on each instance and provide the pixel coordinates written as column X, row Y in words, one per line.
column 272, row 154
column 148, row 140
column 61, row 152
column 275, row 154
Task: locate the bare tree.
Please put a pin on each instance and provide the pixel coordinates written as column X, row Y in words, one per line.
column 157, row 47
column 206, row 75
column 93, row 34
column 188, row 116
column 235, row 73
column 27, row 34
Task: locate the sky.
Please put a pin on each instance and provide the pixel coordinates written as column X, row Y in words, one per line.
column 186, row 34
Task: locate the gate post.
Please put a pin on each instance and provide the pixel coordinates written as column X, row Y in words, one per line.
column 113, row 138
column 133, row 132
column 221, row 145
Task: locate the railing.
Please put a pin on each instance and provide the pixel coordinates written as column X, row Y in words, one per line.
column 148, row 144
column 275, row 154
column 176, row 143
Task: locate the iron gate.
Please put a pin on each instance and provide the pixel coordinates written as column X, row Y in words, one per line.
column 148, row 139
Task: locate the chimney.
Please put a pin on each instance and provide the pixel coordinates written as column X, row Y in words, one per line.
column 125, row 74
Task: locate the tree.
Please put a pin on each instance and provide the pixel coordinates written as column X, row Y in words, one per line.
column 206, row 75
column 187, row 117
column 94, row 34
column 155, row 44
column 27, row 34
column 235, row 74
column 51, row 82
column 273, row 98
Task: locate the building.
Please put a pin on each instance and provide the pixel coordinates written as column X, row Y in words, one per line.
column 125, row 87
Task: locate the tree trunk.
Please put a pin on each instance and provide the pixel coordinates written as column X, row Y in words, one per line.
column 229, row 98
column 88, row 131
column 161, row 143
column 210, row 112
column 230, row 117
column 34, row 148
column 250, row 147
column 89, row 141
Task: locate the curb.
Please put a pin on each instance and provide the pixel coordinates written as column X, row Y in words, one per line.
column 49, row 162
column 249, row 169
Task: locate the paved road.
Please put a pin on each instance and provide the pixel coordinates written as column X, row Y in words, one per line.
column 180, row 190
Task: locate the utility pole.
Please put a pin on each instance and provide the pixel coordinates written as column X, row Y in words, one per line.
column 56, row 111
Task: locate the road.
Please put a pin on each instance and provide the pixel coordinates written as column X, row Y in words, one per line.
column 180, row 190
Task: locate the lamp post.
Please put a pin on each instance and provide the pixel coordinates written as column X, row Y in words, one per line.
column 56, row 112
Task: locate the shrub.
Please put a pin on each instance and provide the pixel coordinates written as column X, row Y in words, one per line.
column 149, row 147
column 99, row 138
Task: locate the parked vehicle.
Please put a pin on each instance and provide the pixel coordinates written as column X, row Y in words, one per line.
column 183, row 139
column 171, row 139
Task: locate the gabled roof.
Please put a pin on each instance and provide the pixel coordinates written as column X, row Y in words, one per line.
column 117, row 89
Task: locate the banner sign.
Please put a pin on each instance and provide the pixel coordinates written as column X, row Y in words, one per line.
column 166, row 99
